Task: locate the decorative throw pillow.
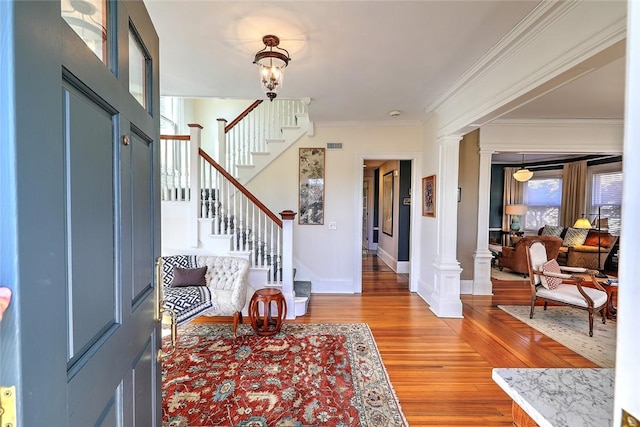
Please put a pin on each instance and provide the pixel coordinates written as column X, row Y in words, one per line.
column 189, row 276
column 552, row 230
column 575, row 236
column 550, row 266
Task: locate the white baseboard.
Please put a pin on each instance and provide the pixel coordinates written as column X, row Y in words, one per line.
column 404, row 267
column 466, row 287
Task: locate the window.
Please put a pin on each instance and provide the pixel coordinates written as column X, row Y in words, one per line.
column 543, row 195
column 606, row 194
column 170, row 115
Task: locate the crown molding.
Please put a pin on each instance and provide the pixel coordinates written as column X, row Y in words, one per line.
column 499, row 82
column 387, row 123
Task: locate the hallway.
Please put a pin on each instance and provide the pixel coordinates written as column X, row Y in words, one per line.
column 378, row 277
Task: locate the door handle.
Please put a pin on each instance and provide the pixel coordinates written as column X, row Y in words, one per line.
column 174, row 332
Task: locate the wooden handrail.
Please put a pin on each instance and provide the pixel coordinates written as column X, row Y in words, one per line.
column 177, row 137
column 242, row 188
column 242, row 115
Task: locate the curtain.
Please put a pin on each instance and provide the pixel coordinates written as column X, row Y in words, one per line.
column 574, row 186
column 513, row 194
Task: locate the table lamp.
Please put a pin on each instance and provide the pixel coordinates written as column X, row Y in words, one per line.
column 514, row 211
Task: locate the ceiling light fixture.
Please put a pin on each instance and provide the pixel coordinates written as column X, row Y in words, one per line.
column 523, row 174
column 271, row 64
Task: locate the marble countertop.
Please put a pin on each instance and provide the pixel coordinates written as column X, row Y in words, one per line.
column 559, row 397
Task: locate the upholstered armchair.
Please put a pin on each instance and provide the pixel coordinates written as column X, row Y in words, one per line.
column 515, row 258
column 550, row 284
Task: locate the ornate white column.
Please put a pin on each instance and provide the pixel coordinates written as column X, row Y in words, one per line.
column 482, row 256
column 445, row 298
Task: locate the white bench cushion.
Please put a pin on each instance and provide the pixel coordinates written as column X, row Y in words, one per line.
column 569, row 294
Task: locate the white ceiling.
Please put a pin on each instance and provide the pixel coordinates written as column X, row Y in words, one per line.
column 356, row 60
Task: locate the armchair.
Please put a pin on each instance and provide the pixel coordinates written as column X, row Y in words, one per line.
column 550, row 285
column 515, row 258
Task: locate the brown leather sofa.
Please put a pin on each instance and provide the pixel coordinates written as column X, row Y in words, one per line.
column 515, row 258
column 586, row 255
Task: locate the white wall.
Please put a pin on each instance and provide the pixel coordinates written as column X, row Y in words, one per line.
column 328, row 257
column 207, row 111
column 429, row 238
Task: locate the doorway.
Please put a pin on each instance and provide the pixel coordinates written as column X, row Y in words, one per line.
column 386, row 198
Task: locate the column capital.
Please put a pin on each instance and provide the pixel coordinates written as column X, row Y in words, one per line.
column 448, row 139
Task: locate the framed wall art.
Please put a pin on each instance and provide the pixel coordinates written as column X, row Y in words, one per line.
column 387, row 203
column 429, row 196
column 311, row 181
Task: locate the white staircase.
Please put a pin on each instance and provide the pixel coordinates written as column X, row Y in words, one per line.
column 225, row 219
column 260, row 134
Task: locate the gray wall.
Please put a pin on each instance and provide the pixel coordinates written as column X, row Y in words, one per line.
column 468, row 205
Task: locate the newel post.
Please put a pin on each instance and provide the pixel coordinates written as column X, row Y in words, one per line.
column 195, row 131
column 287, row 261
column 221, row 148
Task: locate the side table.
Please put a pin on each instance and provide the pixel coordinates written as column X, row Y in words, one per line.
column 263, row 300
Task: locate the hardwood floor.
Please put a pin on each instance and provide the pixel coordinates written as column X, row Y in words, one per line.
column 441, row 368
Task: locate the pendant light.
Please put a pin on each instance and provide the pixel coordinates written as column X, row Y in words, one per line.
column 271, row 61
column 523, row 174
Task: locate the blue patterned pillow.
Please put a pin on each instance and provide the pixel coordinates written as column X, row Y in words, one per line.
column 575, row 236
column 552, row 230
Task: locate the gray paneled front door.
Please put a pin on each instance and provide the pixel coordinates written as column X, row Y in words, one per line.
column 80, row 157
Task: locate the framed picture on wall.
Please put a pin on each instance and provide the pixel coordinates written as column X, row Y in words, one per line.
column 429, row 196
column 387, row 203
column 311, row 181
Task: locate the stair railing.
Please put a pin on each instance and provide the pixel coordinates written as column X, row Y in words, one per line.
column 251, row 132
column 223, row 202
column 235, row 210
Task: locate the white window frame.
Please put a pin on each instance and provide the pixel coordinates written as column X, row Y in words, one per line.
column 546, row 174
column 177, row 109
column 593, row 209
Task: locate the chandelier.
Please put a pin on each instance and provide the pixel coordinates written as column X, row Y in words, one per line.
column 523, row 174
column 271, row 61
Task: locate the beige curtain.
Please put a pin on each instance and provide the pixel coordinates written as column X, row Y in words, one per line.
column 513, row 194
column 574, row 186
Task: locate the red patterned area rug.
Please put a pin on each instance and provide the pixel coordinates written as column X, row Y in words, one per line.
column 306, row 375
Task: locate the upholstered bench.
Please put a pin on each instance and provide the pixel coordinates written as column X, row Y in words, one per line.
column 219, row 288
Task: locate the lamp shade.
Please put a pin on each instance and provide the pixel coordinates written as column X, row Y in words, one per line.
column 515, row 210
column 523, row 175
column 582, row 223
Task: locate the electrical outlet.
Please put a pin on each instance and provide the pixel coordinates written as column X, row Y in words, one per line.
column 333, row 225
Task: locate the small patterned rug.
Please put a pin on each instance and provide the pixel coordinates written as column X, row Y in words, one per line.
column 570, row 327
column 306, row 375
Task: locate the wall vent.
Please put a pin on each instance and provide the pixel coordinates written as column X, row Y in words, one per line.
column 334, row 145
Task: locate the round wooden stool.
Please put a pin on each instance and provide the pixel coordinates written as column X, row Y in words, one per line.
column 263, row 299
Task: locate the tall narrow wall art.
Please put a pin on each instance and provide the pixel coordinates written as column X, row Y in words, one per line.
column 311, row 179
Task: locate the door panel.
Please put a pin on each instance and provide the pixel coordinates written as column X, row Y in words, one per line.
column 89, row 136
column 82, row 339
column 143, row 251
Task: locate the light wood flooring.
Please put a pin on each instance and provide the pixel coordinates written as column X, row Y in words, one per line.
column 441, row 368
